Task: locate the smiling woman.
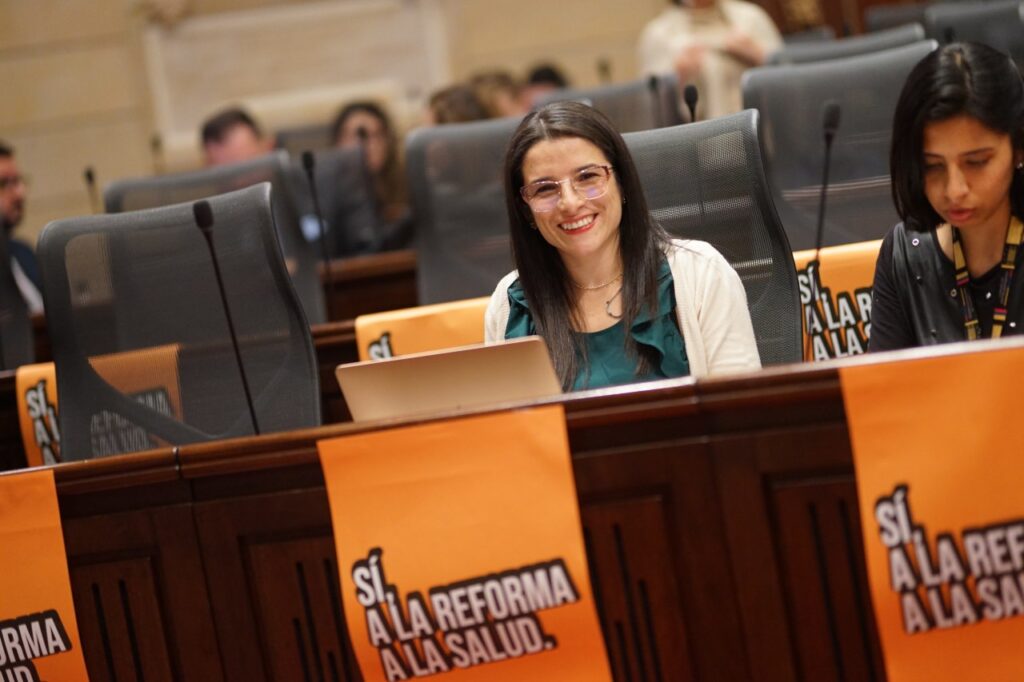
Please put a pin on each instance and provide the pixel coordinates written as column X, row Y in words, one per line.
column 947, row 272
column 616, row 300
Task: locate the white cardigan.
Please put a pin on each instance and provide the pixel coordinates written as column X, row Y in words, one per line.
column 711, row 305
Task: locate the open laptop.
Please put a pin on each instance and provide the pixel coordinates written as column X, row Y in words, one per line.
column 448, row 380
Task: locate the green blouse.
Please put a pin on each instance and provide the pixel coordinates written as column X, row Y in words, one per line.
column 606, row 361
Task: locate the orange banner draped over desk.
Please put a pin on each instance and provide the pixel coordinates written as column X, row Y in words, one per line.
column 460, row 551
column 38, row 631
column 940, row 479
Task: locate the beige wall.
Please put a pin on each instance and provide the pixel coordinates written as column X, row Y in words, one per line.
column 77, row 88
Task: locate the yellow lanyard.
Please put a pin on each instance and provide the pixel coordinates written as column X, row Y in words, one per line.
column 1014, row 236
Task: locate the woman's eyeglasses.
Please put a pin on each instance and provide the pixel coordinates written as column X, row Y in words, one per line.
column 588, row 183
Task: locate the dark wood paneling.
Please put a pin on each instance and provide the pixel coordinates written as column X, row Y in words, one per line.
column 370, row 284
column 720, row 521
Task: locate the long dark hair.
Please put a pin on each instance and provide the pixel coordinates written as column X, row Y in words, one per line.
column 958, row 79
column 389, row 183
column 548, row 288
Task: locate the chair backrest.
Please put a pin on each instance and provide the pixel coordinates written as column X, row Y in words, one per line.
column 848, row 47
column 420, row 329
column 347, row 201
column 706, row 181
column 17, row 344
column 301, row 254
column 859, row 205
column 997, row 24
column 298, row 139
column 636, row 105
column 838, row 320
column 881, row 17
column 458, row 204
column 141, row 336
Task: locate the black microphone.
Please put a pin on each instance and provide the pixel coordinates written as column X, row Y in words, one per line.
column 90, row 186
column 203, row 215
column 830, row 112
column 308, row 163
column 156, row 148
column 690, row 97
column 655, row 91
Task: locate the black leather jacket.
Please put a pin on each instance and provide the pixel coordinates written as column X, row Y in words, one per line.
column 914, row 301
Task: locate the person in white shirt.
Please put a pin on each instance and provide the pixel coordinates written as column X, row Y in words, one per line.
column 709, row 43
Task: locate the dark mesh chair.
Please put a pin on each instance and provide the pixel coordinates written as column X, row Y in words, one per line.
column 881, row 17
column 790, row 98
column 458, row 204
column 302, row 256
column 706, row 181
column 17, row 344
column 140, row 336
column 298, row 139
column 703, row 181
column 847, row 47
column 637, row 105
column 345, row 190
column 997, row 24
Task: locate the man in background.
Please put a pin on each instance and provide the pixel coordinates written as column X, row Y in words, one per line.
column 231, row 136
column 24, row 266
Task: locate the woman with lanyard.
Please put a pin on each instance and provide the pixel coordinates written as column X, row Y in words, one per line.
column 616, row 300
column 949, row 271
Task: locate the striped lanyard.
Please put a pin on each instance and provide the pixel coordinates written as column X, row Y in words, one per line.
column 1014, row 236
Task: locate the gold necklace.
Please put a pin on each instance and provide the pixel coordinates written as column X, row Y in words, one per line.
column 614, row 279
column 608, row 304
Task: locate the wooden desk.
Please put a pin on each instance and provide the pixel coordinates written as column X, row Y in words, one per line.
column 334, row 343
column 720, row 520
column 371, row 284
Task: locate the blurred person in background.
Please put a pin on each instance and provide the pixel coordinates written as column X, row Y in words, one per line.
column 455, row 104
column 500, row 94
column 709, row 43
column 232, row 136
column 367, row 124
column 24, row 266
column 542, row 80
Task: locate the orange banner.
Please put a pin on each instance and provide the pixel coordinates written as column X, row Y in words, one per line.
column 835, row 292
column 460, row 551
column 939, row 478
column 37, row 414
column 416, row 330
column 150, row 375
column 38, row 631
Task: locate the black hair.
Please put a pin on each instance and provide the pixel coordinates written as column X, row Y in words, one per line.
column 218, row 125
column 6, row 150
column 958, row 79
column 366, row 107
column 547, row 74
column 542, row 274
column 389, row 184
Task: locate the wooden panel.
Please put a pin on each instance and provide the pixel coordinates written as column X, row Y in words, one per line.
column 825, row 581
column 45, row 22
column 628, row 545
column 115, row 148
column 80, row 82
column 371, row 284
column 275, row 586
column 137, row 579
